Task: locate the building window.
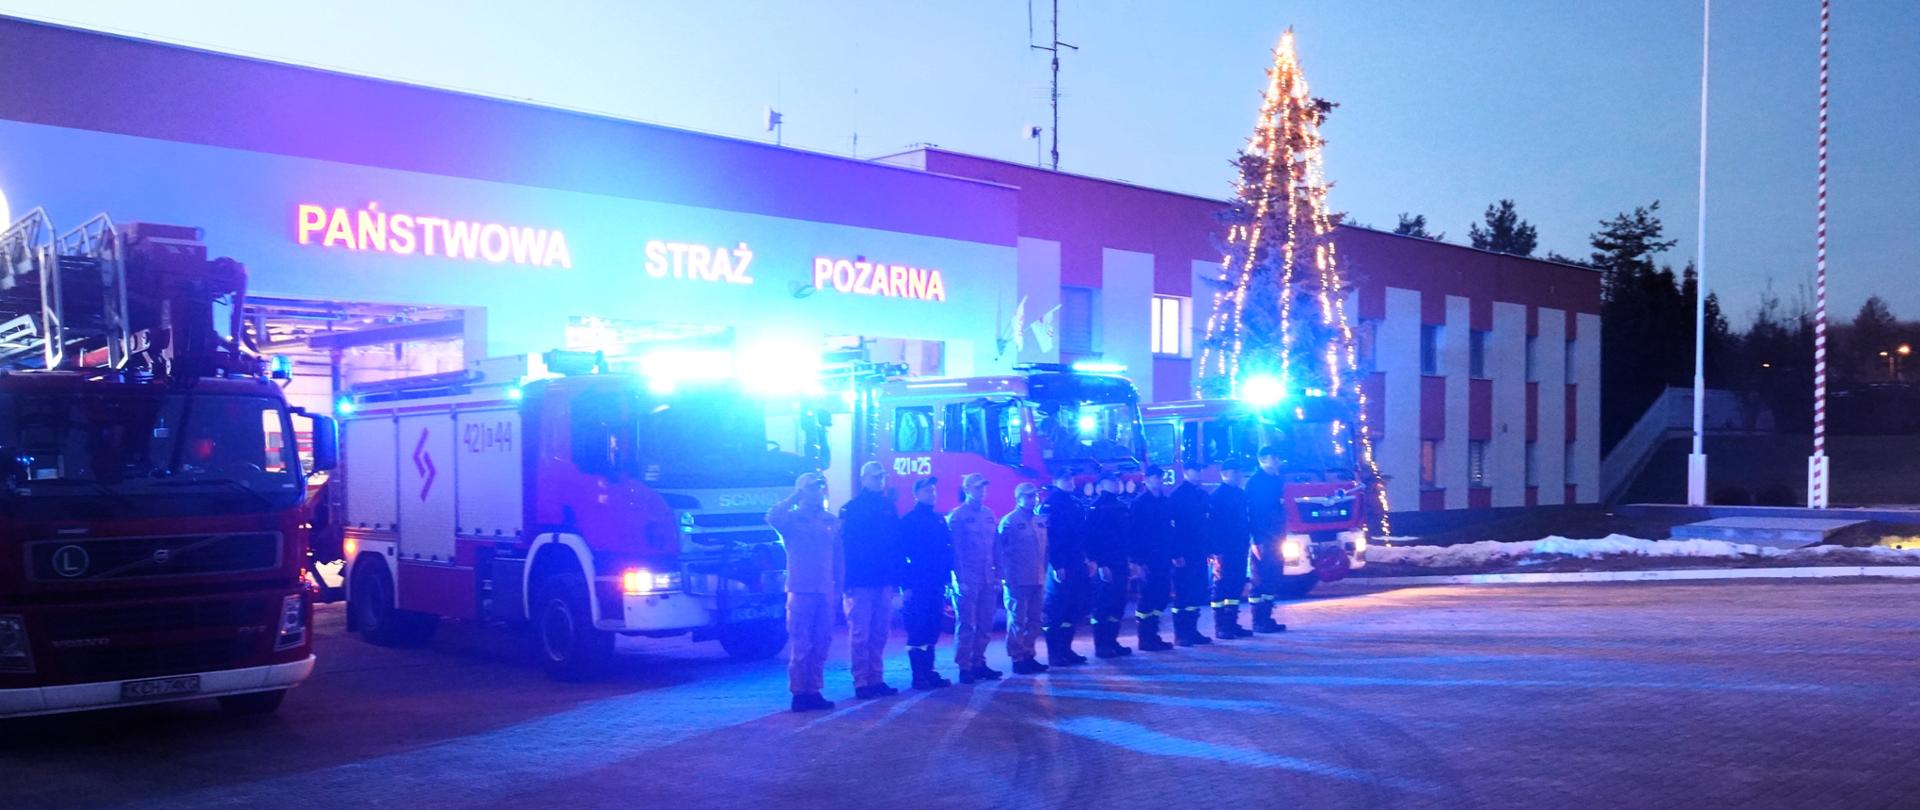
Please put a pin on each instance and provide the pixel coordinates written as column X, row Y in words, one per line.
column 1430, row 336
column 1076, row 320
column 1476, row 463
column 1571, row 344
column 1533, row 363
column 1365, row 338
column 1477, row 353
column 1533, row 464
column 1172, row 326
column 1429, row 458
column 913, row 429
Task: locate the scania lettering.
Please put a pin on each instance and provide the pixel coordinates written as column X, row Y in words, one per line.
column 154, row 508
column 580, row 507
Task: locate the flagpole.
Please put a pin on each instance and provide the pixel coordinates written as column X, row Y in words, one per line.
column 1697, row 461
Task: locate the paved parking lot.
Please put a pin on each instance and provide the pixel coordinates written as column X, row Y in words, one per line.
column 1773, row 694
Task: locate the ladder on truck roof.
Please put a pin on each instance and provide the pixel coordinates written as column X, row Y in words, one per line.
column 63, row 299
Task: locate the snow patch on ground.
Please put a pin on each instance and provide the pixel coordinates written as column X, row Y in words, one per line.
column 1489, row 552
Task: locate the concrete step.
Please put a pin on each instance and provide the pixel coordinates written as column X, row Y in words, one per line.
column 1774, row 532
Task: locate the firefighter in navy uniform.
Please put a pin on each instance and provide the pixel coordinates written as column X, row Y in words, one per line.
column 1192, row 545
column 1151, row 519
column 1227, row 514
column 1267, row 517
column 1069, row 594
column 870, row 532
column 1108, row 536
column 928, row 546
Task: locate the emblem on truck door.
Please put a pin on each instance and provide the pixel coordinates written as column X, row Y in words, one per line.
column 423, row 461
column 71, row 561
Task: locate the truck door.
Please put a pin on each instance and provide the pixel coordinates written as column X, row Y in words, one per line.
column 426, row 490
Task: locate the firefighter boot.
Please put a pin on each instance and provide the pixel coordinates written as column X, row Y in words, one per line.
column 924, row 676
column 1263, row 619
column 1226, row 623
column 811, row 701
column 1106, row 641
column 1028, row 666
column 1147, row 630
column 1060, row 648
column 1186, row 629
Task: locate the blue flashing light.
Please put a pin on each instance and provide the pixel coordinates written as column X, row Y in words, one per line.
column 1089, row 424
column 344, row 407
column 1263, row 391
column 1099, row 367
column 516, row 393
column 281, row 367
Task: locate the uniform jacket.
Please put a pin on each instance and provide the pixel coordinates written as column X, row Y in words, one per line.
column 814, row 560
column 1227, row 513
column 1192, row 537
column 1108, row 532
column 1151, row 518
column 1266, row 515
column 974, row 530
column 870, row 532
column 1066, row 529
column 1021, row 548
column 928, row 546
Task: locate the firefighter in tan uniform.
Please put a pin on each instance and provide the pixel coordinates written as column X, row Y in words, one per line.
column 976, row 584
column 1021, row 553
column 815, row 569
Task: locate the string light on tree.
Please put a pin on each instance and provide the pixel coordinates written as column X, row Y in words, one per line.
column 1280, row 257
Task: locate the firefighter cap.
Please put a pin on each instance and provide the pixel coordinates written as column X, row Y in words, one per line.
column 1024, row 489
column 872, row 468
column 928, row 482
column 972, row 480
column 1236, row 463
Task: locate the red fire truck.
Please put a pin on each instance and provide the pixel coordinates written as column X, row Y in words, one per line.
column 1324, row 491
column 154, row 509
column 1014, row 428
column 582, row 505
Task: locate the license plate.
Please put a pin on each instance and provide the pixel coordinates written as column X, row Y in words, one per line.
column 155, row 688
column 753, row 613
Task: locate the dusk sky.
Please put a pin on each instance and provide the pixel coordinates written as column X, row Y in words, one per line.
column 1575, row 110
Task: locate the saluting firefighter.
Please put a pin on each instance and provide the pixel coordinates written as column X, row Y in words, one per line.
column 1069, row 595
column 1267, row 516
column 929, row 570
column 1227, row 514
column 1108, row 535
column 870, row 534
column 976, row 584
column 815, row 569
column 1192, row 545
column 1151, row 519
column 1021, row 554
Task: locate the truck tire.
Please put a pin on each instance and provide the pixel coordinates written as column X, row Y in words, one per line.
column 253, row 704
column 755, row 640
column 564, row 639
column 1298, row 585
column 370, row 606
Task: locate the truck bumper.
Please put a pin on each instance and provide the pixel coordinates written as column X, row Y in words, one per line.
column 75, row 697
column 678, row 612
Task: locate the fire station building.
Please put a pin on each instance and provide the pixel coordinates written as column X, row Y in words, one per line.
column 394, row 230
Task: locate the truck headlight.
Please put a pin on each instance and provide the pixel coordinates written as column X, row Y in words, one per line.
column 293, row 622
column 1356, row 540
column 642, row 582
column 1292, row 550
column 16, row 654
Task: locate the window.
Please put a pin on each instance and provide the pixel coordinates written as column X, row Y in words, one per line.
column 1477, row 353
column 1365, row 336
column 1533, row 464
column 1533, row 362
column 913, row 429
column 1429, row 456
column 602, row 432
column 1569, row 375
column 1476, row 463
column 1172, row 331
column 995, row 430
column 1430, row 336
column 1076, row 320
column 1163, row 443
column 1009, row 432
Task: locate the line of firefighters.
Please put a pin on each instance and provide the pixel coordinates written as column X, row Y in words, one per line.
column 1057, row 560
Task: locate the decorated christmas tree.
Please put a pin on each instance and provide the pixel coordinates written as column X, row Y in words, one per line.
column 1279, row 326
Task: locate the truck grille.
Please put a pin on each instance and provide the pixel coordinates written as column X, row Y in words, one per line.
column 118, row 558
column 114, row 662
column 1325, row 510
column 89, row 623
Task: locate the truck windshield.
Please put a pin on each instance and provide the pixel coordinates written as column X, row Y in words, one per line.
column 145, row 453
column 1090, row 431
column 1318, row 449
column 710, row 439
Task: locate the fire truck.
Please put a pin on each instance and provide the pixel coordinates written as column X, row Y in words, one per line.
column 1014, row 428
column 554, row 494
column 154, row 507
column 1324, row 492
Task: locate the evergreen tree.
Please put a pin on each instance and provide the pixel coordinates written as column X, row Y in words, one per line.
column 1416, row 225
column 1506, row 232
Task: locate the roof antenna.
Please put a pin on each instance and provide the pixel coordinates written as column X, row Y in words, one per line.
column 1054, row 49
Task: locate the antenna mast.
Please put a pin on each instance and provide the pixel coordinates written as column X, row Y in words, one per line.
column 1054, row 49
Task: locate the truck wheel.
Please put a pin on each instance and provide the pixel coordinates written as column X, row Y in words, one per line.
column 370, row 606
column 253, row 704
column 755, row 640
column 1298, row 586
column 564, row 639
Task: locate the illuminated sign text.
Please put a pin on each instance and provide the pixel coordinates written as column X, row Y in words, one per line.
column 371, row 229
column 861, row 277
column 699, row 262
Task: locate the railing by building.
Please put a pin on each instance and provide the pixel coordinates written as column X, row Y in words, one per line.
column 1671, row 417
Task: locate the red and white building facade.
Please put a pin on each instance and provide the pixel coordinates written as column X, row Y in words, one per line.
column 1483, row 369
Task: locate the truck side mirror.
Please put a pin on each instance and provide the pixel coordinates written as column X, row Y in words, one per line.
column 326, row 443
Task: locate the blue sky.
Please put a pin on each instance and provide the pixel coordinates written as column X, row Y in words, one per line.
column 1577, row 110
